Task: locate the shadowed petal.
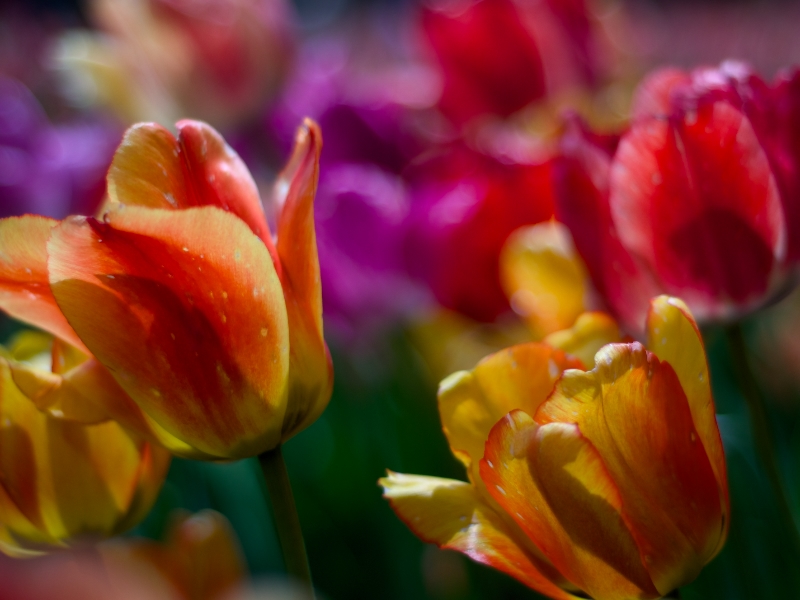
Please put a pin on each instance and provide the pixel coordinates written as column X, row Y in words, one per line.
column 673, row 336
column 185, row 309
column 552, row 481
column 450, row 514
column 470, row 403
column 310, row 370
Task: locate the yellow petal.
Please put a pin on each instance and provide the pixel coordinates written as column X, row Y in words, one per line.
column 632, row 409
column 544, row 277
column 591, row 331
column 553, row 483
column 673, row 336
column 451, row 514
column 470, row 403
column 67, row 479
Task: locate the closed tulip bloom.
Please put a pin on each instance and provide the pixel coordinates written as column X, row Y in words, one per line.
column 607, row 482
column 62, row 481
column 698, row 198
column 211, row 328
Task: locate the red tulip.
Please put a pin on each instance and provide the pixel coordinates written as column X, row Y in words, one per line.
column 497, row 56
column 700, row 198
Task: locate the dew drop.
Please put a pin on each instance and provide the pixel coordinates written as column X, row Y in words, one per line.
column 693, row 437
column 185, row 249
column 263, row 332
column 501, row 490
column 490, row 463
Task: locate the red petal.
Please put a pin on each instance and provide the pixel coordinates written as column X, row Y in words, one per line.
column 186, row 311
column 695, row 197
column 152, row 168
column 311, row 370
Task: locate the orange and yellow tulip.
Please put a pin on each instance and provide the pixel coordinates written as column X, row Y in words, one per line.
column 609, row 482
column 63, row 481
column 213, row 330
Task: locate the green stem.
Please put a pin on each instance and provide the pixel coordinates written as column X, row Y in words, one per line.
column 287, row 523
column 760, row 427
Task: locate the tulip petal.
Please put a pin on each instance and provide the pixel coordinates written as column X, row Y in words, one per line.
column 591, row 331
column 544, row 277
column 311, row 370
column 186, row 311
column 554, row 484
column 632, row 408
column 65, row 478
column 581, row 183
column 695, row 197
column 451, row 514
column 151, row 168
column 673, row 336
column 654, row 95
column 470, row 403
column 24, row 286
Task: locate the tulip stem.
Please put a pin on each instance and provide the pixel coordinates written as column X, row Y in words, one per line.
column 759, row 424
column 287, row 522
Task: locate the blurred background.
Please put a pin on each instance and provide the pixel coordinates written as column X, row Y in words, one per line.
column 431, row 160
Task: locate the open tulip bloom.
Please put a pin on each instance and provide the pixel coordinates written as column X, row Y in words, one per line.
column 609, row 482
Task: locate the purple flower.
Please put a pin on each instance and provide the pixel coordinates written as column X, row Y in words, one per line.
column 46, row 169
column 362, row 216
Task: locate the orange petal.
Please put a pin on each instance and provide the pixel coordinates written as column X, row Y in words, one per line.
column 24, row 287
column 544, row 277
column 311, row 370
column 553, row 483
column 470, row 403
column 673, row 336
column 151, row 168
column 632, row 408
column 591, row 331
column 185, row 309
column 451, row 514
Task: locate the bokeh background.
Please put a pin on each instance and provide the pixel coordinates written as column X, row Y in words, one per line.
column 362, row 70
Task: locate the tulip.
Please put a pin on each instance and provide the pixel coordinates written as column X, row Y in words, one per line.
column 62, row 481
column 498, row 56
column 211, row 329
column 608, row 482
